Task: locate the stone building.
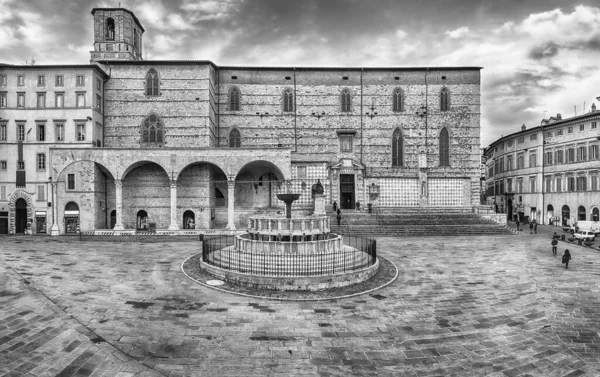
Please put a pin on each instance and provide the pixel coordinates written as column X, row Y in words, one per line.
column 549, row 172
column 190, row 144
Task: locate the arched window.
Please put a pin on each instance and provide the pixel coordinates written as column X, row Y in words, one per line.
column 288, row 101
column 444, row 99
column 152, row 130
column 581, row 213
column 152, row 83
column 346, row 100
column 235, row 139
column 234, row 99
column 397, row 148
column 566, row 215
column 110, row 29
column 444, row 147
column 136, row 42
column 398, row 100
column 595, row 214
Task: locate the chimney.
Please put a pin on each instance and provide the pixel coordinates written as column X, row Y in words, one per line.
column 523, row 128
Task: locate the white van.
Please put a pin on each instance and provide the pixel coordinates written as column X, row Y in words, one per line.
column 592, row 226
column 585, row 235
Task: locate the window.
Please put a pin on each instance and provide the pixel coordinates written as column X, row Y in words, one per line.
column 20, row 165
column 571, row 182
column 594, row 180
column 152, row 83
column 520, row 140
column 558, row 184
column 21, row 80
column 59, row 80
column 398, row 100
column 520, row 161
column 532, row 160
column 98, row 84
column 234, row 99
column 41, row 80
column 533, row 137
column 152, row 130
column 288, row 100
column 581, row 153
column 41, row 161
column 520, row 185
column 60, row 132
column 80, row 80
column 559, row 132
column 136, row 42
column 548, row 184
column 594, row 125
column 581, row 183
column 509, row 163
column 3, row 165
column 445, row 148
column 70, row 181
column 3, row 81
column 20, row 99
column 594, row 152
column 81, row 132
column 509, row 185
column 235, row 139
column 110, row 29
column 548, row 158
column 346, row 142
column 571, row 155
column 444, row 100
column 41, row 100
column 99, row 103
column 397, row 148
column 301, row 172
column 2, row 132
column 41, row 190
column 501, row 167
column 59, row 99
column 3, row 193
column 531, row 184
column 559, row 157
column 3, row 102
column 581, row 127
column 41, row 132
column 570, row 129
column 80, row 99
column 20, row 132
column 346, row 101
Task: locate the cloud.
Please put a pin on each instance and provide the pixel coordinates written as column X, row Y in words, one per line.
column 458, row 33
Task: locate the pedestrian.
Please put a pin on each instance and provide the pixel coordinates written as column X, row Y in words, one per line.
column 534, row 226
column 518, row 224
column 566, row 258
column 334, row 206
column 554, row 243
column 339, row 216
column 555, row 235
column 531, row 227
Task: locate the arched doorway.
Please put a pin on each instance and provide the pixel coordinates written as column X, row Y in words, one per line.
column 581, row 213
column 113, row 218
column 142, row 220
column 20, row 215
column 189, row 220
column 550, row 213
column 71, row 217
column 566, row 215
column 595, row 216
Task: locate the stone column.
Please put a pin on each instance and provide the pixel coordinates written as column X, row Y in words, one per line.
column 230, row 204
column 54, row 231
column 119, row 204
column 173, row 225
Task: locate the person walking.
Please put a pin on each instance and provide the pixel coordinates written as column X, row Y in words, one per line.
column 531, row 227
column 518, row 224
column 535, row 226
column 339, row 216
column 566, row 258
column 554, row 243
column 334, row 206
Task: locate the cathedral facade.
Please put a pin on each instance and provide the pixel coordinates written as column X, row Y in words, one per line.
column 130, row 144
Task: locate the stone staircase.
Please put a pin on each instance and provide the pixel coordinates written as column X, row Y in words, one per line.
column 416, row 222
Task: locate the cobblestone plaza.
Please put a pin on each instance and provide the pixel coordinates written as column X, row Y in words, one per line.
column 478, row 306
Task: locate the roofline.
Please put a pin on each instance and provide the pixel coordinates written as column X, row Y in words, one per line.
column 123, row 9
column 542, row 126
column 290, row 68
column 50, row 66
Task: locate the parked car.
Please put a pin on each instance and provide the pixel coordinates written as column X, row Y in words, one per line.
column 585, row 235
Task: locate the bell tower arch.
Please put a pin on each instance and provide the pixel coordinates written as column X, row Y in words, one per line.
column 117, row 35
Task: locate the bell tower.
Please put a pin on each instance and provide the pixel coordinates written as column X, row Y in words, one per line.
column 117, row 35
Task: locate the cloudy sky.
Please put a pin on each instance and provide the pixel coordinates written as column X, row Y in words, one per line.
column 540, row 57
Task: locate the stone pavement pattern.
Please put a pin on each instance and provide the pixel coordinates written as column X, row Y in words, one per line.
column 477, row 306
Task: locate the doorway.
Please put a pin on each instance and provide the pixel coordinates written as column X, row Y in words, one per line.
column 189, row 220
column 113, row 218
column 20, row 216
column 347, row 191
column 142, row 220
column 3, row 222
column 566, row 216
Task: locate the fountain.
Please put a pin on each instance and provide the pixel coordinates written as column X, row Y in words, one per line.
column 290, row 253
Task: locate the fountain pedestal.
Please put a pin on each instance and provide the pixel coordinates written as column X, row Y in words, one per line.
column 288, row 199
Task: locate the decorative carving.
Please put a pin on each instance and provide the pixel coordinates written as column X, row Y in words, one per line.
column 317, row 188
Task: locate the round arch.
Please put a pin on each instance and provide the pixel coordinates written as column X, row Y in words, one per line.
column 595, row 214
column 138, row 164
column 19, row 196
column 110, row 174
column 71, row 217
column 257, row 168
column 566, row 215
column 581, row 213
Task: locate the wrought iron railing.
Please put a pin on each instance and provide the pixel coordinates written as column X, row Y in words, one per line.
column 290, row 258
